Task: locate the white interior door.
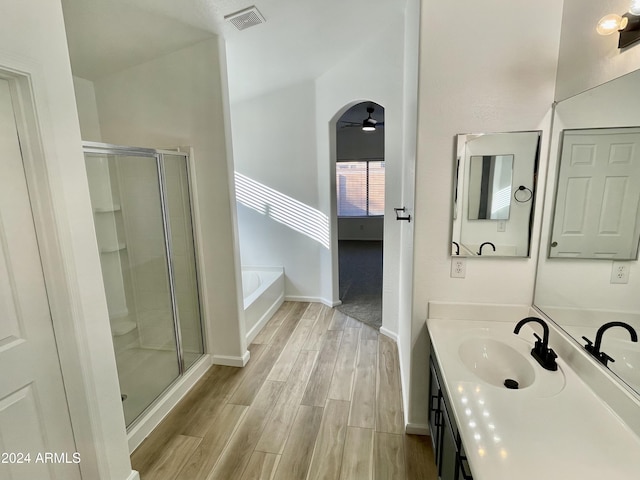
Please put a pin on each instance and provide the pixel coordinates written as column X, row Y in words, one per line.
column 36, row 440
column 598, row 197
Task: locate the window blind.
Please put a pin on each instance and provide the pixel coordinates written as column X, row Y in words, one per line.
column 360, row 188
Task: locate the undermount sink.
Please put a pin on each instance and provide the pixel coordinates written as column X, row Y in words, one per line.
column 494, row 361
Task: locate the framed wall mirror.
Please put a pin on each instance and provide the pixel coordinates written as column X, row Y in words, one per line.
column 583, row 290
column 494, row 193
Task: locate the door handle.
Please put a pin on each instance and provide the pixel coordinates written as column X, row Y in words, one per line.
column 398, row 217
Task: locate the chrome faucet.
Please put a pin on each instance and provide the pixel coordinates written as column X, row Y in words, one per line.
column 457, row 247
column 486, row 243
column 545, row 356
column 594, row 349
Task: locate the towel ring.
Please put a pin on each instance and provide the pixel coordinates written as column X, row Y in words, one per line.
column 522, row 188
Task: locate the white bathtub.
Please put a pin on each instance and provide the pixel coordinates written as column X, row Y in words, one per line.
column 263, row 292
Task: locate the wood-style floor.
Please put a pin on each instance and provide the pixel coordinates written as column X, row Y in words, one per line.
column 319, row 399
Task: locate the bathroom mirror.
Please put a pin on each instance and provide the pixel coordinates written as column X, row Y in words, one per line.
column 494, row 193
column 581, row 293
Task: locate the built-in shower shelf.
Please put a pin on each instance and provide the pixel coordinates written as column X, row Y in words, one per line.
column 113, row 248
column 107, row 209
column 122, row 326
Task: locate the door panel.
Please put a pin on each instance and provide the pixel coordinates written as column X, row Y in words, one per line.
column 611, row 214
column 575, row 203
column 34, row 418
column 598, row 196
column 20, row 420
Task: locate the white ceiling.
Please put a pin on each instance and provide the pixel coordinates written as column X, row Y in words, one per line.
column 300, row 40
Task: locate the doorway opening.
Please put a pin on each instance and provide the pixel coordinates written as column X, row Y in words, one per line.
column 360, row 200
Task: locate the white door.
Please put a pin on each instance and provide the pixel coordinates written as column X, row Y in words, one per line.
column 596, row 213
column 36, row 441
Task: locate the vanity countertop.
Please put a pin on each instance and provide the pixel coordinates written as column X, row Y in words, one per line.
column 557, row 428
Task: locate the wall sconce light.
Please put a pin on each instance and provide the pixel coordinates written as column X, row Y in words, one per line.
column 628, row 25
column 369, row 124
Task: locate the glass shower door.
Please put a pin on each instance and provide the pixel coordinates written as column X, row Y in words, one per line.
column 128, row 211
column 183, row 257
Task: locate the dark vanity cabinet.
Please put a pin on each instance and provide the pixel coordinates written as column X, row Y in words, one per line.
column 447, row 444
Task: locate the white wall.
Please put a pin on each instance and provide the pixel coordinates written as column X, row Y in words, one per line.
column 475, row 78
column 87, row 109
column 587, row 59
column 279, row 221
column 177, row 100
column 361, row 228
column 412, row 22
column 32, row 39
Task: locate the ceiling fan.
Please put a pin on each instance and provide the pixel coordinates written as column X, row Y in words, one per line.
column 369, row 124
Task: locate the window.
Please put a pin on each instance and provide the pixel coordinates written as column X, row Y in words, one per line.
column 360, row 187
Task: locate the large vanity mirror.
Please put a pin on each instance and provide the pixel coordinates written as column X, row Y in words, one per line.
column 588, row 273
column 494, row 193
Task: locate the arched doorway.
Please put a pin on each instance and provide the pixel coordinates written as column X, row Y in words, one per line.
column 360, row 200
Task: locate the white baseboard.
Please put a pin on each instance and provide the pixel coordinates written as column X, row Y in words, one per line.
column 170, row 399
column 231, row 361
column 324, row 301
column 417, row 429
column 395, row 337
column 253, row 333
column 134, row 475
column 403, row 386
column 392, row 335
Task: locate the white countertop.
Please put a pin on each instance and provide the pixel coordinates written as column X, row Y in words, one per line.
column 553, row 429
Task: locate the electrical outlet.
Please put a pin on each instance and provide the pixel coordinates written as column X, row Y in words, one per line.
column 620, row 272
column 458, row 267
column 502, row 226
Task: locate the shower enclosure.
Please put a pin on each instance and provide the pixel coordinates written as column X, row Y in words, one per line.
column 142, row 214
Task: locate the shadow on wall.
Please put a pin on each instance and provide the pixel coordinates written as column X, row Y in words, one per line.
column 283, row 209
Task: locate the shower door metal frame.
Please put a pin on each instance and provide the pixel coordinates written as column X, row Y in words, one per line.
column 158, row 155
column 168, row 246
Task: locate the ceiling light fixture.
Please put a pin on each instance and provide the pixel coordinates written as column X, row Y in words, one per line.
column 628, row 25
column 369, row 124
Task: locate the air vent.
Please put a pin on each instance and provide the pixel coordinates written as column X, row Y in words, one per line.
column 246, row 18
